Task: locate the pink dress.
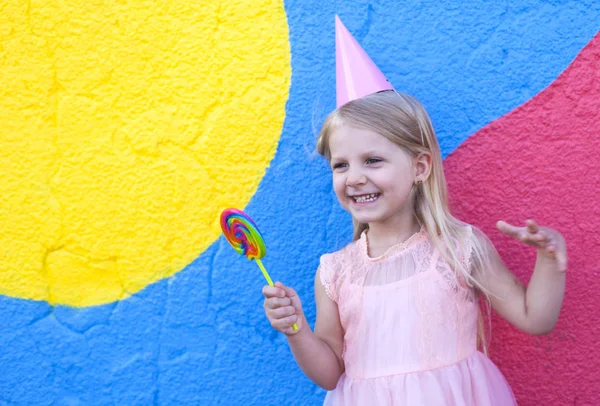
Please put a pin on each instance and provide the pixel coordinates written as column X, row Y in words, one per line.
column 410, row 329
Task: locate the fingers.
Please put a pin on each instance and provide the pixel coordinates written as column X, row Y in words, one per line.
column 531, row 234
column 539, row 238
column 545, row 239
column 289, row 292
column 273, row 291
column 275, row 297
column 282, row 312
column 509, row 229
column 277, row 302
column 532, row 226
column 283, row 318
column 282, row 307
column 284, row 324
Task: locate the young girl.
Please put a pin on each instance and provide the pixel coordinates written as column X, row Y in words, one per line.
column 397, row 309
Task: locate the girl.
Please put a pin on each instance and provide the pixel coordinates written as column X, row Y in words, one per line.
column 397, row 309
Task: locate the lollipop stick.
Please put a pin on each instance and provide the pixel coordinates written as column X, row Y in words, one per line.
column 269, row 281
column 264, row 272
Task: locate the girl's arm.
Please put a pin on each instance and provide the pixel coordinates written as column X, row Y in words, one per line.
column 535, row 308
column 318, row 353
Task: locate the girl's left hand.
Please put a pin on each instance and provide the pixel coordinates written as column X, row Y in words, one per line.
column 547, row 240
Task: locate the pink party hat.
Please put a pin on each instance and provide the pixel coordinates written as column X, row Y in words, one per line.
column 356, row 74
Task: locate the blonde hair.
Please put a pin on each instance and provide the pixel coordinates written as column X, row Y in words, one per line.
column 403, row 120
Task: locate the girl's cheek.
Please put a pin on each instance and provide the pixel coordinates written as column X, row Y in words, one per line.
column 339, row 188
column 337, row 179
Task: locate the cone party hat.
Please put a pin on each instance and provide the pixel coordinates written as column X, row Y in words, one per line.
column 356, row 74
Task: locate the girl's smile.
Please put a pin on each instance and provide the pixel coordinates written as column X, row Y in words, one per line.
column 366, row 198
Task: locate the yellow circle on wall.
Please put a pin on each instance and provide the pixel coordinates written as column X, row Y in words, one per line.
column 126, row 128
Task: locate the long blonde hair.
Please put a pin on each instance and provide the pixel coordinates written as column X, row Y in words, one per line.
column 403, row 120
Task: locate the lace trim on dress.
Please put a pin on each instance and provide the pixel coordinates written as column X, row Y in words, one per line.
column 327, row 282
column 420, row 235
column 331, row 271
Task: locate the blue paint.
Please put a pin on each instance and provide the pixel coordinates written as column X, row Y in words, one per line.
column 201, row 337
column 468, row 63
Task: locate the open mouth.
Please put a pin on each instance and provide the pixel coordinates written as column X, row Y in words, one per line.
column 371, row 197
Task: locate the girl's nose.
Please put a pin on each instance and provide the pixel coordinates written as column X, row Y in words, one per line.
column 355, row 178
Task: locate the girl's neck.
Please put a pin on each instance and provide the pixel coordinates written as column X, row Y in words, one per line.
column 386, row 235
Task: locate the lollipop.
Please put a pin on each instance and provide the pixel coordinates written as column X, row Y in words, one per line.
column 243, row 235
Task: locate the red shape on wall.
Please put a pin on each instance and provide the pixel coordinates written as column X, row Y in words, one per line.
column 542, row 161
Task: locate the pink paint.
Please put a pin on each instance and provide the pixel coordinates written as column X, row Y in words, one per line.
column 541, row 161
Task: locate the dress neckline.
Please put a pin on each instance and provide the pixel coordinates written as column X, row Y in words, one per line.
column 415, row 238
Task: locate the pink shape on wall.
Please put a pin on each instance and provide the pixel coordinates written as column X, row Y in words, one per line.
column 541, row 161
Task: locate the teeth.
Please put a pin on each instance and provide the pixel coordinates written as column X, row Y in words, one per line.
column 366, row 198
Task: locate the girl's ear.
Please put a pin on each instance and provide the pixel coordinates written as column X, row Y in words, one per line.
column 422, row 167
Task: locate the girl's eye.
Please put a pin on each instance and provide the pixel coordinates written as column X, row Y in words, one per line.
column 373, row 160
column 339, row 165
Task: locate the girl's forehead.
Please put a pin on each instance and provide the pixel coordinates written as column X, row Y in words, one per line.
column 347, row 138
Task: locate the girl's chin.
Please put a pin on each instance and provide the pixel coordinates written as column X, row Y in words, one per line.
column 365, row 218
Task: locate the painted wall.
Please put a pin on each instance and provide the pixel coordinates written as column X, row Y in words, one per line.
column 128, row 126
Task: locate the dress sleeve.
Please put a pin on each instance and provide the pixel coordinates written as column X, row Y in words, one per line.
column 329, row 276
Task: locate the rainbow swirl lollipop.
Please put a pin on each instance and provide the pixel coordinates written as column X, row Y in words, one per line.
column 243, row 235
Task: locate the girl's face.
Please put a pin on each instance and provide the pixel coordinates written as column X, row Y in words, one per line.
column 372, row 177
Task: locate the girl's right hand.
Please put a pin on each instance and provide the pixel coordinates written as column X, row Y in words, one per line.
column 283, row 308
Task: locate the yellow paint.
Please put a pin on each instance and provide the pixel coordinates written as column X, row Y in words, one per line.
column 127, row 126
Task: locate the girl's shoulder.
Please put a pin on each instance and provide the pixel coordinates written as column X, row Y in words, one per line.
column 338, row 258
column 334, row 265
column 470, row 239
column 471, row 248
column 462, row 238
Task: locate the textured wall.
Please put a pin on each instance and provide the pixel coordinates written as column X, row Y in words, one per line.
column 541, row 161
column 127, row 126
